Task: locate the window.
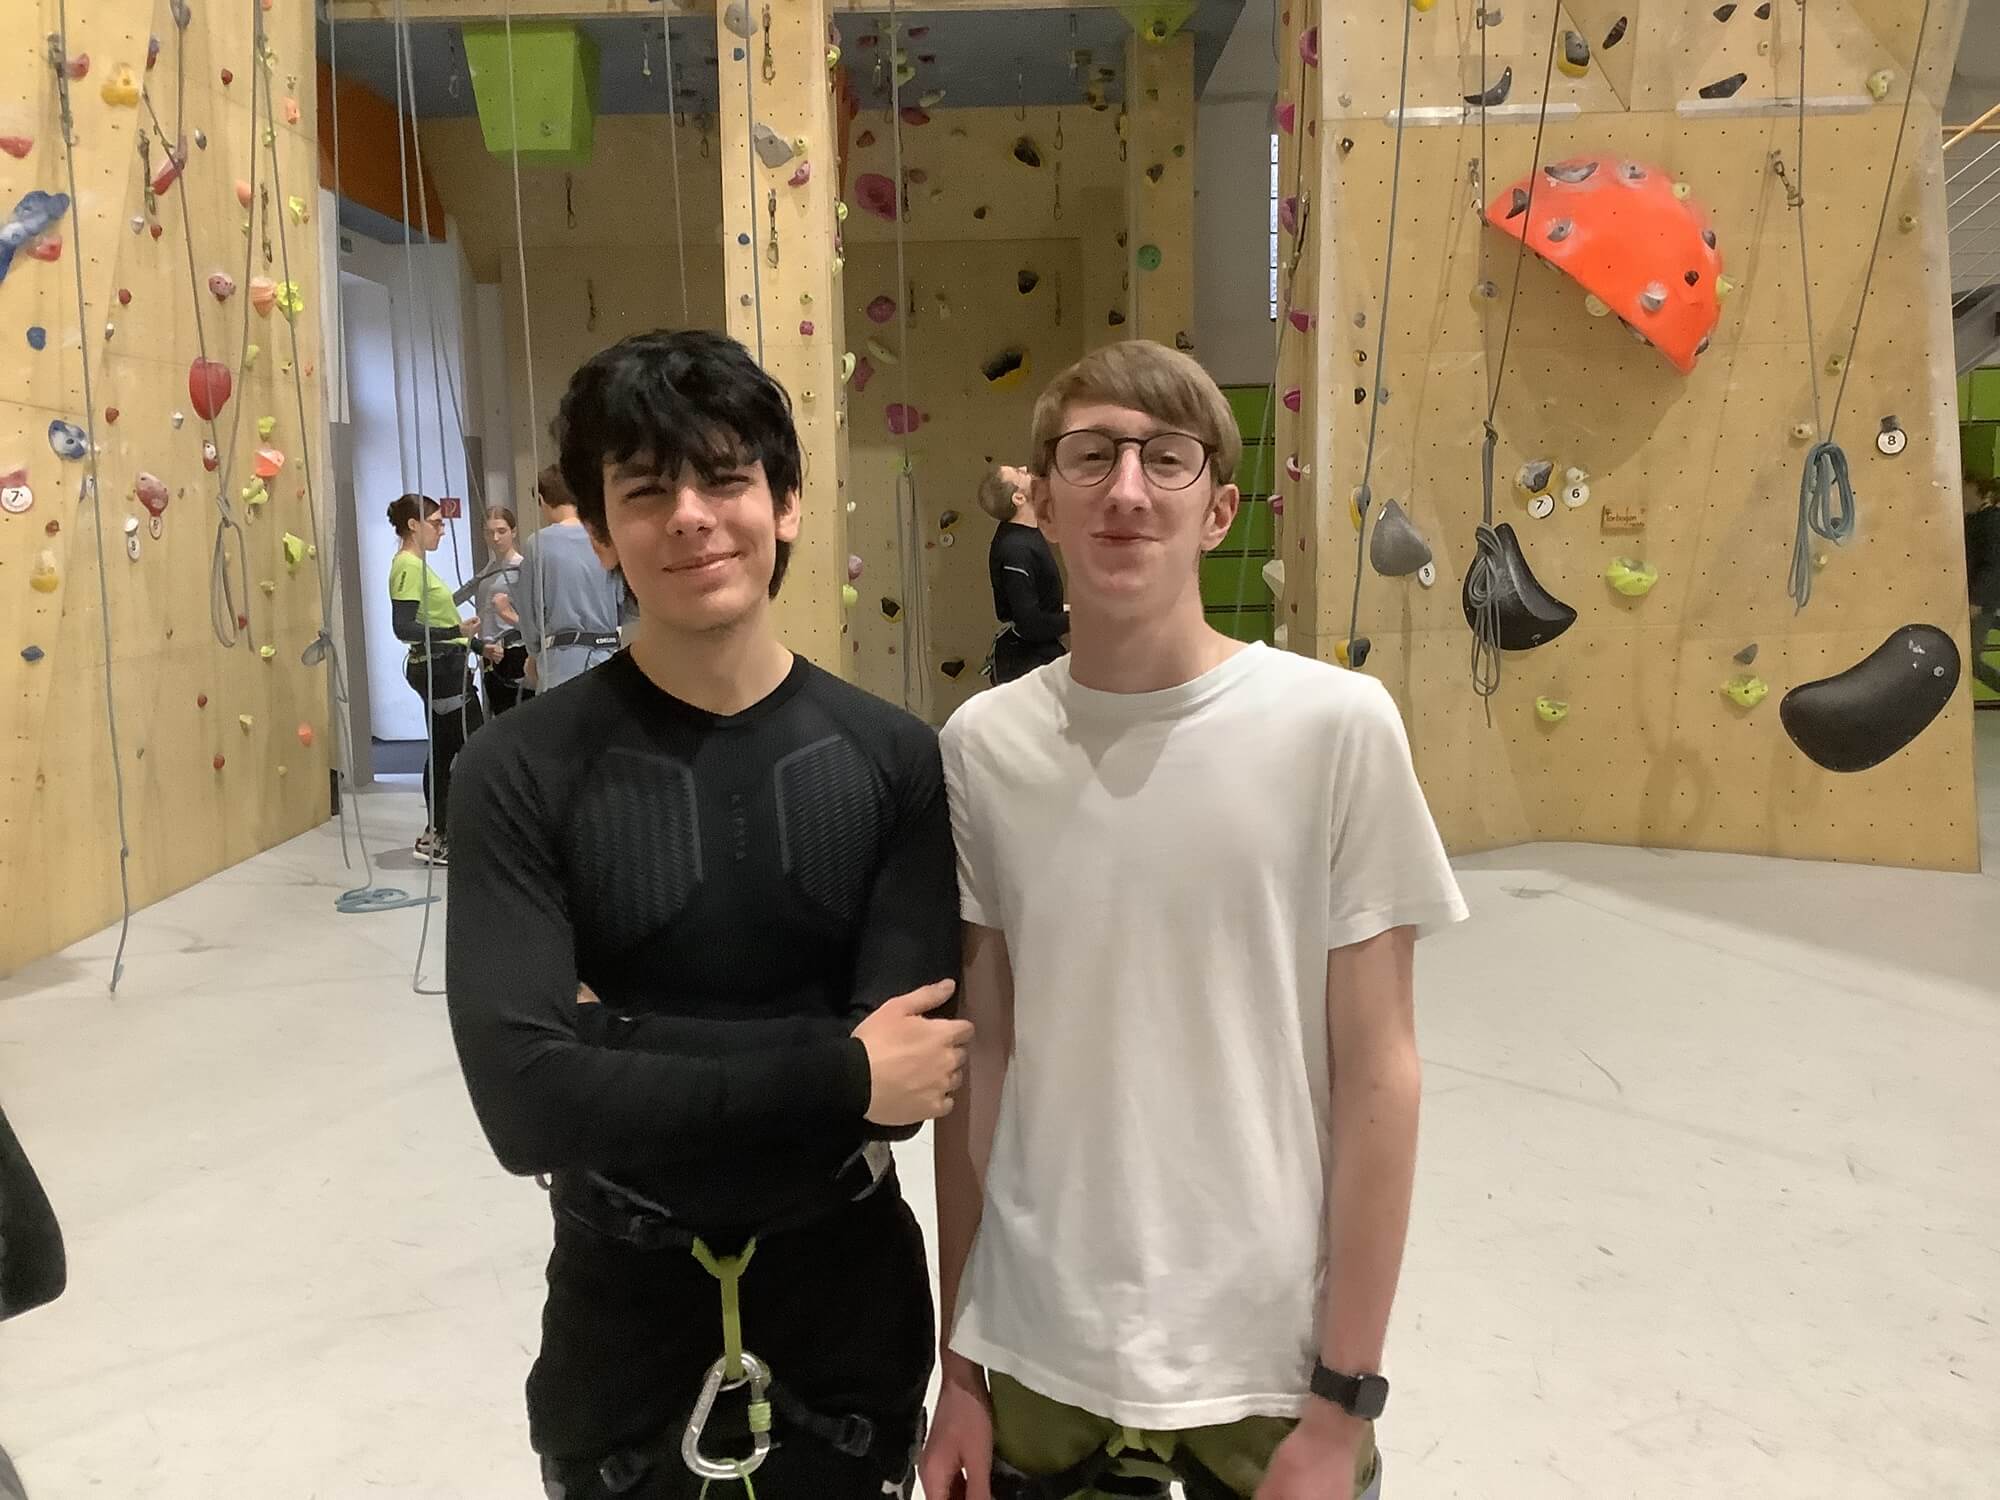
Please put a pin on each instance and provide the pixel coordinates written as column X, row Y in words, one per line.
column 1274, row 227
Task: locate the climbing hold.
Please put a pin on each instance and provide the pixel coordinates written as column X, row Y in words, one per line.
column 1879, row 84
column 881, row 352
column 864, row 371
column 1287, row 115
column 295, row 550
column 1862, row 716
column 201, row 139
column 246, row 721
column 263, row 295
column 209, row 387
column 1891, row 439
column 1746, row 656
column 864, row 140
column 222, row 285
column 1541, row 507
column 805, row 328
column 17, row 146
column 16, row 498
column 210, row 459
column 151, row 492
column 1293, row 399
column 267, row 652
column 1746, row 690
column 881, row 310
column 853, row 568
column 254, row 493
column 1630, row 578
column 1158, row 170
column 31, row 654
column 952, row 667
column 1596, row 306
column 27, row 229
column 1533, row 476
column 1149, row 257
column 1575, row 495
column 1629, row 228
column 736, row 16
column 1027, row 153
column 913, row 116
column 801, row 175
column 1288, row 213
column 44, row 577
column 1524, row 613
column 1907, row 223
column 1352, row 653
column 269, row 463
column 120, row 88
column 1724, row 88
column 305, row 734
column 1309, row 46
column 1115, row 318
column 876, row 194
column 1007, row 368
column 1397, row 549
column 849, row 596
column 266, row 426
column 890, row 608
column 902, row 419
column 67, row 439
column 296, row 209
column 1551, row 710
column 947, row 520
column 291, row 302
column 1497, row 94
column 1573, row 475
column 1802, row 432
column 38, row 337
column 772, row 149
column 1026, row 281
column 1574, row 59
column 847, row 364
column 1427, row 574
column 218, row 762
column 245, row 194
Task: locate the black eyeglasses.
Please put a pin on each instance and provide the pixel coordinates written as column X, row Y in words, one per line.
column 1170, row 460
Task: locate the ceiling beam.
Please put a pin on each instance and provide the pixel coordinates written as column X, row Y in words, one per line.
column 581, row 10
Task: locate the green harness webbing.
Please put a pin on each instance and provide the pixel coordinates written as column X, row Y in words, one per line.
column 737, row 1367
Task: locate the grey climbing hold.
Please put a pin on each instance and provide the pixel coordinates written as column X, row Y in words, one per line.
column 1746, row 656
column 1571, row 172
column 1560, row 230
column 1535, row 474
column 1724, row 12
column 772, row 149
column 38, row 337
column 1654, row 297
column 1617, row 33
column 32, row 654
column 1397, row 549
column 1725, row 88
column 736, row 16
column 1518, row 203
column 1497, row 94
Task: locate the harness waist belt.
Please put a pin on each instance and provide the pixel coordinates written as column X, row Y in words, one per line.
column 597, row 640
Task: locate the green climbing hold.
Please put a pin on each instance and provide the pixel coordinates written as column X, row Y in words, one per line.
column 1745, row 690
column 1630, row 578
column 1149, row 257
column 1551, row 710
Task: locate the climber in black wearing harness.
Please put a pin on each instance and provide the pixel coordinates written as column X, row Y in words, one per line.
column 727, row 883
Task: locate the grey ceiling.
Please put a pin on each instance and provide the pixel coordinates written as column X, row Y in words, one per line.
column 977, row 58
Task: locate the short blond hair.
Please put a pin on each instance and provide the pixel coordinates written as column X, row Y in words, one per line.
column 1144, row 376
column 996, row 495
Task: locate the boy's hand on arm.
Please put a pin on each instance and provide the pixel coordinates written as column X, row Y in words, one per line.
column 916, row 1062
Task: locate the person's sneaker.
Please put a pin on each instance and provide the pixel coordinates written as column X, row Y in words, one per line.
column 426, row 842
column 438, row 854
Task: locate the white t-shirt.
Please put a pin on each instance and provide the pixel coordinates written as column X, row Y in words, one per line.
column 1170, row 870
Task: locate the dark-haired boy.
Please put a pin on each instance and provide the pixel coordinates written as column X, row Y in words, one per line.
column 749, row 864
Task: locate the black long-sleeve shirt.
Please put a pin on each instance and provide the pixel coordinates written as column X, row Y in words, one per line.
column 1027, row 585
column 738, row 891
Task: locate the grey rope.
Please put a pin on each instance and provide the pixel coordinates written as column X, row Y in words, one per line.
column 674, row 155
column 58, row 57
column 916, row 654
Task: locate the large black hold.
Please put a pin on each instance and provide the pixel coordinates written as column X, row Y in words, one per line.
column 1525, row 614
column 1859, row 718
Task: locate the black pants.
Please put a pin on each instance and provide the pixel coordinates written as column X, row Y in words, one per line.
column 1014, row 657
column 505, row 682
column 841, row 1312
column 437, row 682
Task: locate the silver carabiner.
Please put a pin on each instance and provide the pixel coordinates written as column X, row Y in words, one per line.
column 756, row 1375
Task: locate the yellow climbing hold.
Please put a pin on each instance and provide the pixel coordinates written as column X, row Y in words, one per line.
column 267, row 652
column 1630, row 578
column 255, row 493
column 290, row 302
column 266, row 426
column 1596, row 306
column 1879, row 84
column 1745, row 691
column 296, row 207
column 1551, row 710
column 267, row 585
column 121, row 89
column 1724, row 287
column 849, row 596
column 246, row 721
column 251, row 354
column 1423, row 7
column 44, row 578
column 295, row 551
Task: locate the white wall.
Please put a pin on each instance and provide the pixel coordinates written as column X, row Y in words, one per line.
column 1234, row 335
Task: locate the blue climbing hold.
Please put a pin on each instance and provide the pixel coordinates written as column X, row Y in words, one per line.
column 31, row 653
column 32, row 218
column 38, row 337
column 68, row 439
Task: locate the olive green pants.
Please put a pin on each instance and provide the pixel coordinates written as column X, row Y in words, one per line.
column 1040, row 1436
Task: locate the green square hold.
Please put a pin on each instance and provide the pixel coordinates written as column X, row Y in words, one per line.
column 549, row 110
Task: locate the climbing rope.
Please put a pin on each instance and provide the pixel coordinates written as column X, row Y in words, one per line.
column 58, row 59
column 1481, row 578
column 916, row 614
column 1826, row 489
column 674, row 155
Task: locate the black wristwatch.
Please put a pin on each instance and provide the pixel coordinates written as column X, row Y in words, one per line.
column 1363, row 1396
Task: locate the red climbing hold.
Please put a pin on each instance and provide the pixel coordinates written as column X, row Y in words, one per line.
column 881, row 310
column 78, row 67
column 913, row 116
column 864, row 140
column 151, row 492
column 305, row 734
column 227, row 78
column 110, row 414
column 17, row 146
column 1288, row 117
column 170, row 170
column 1620, row 230
column 201, row 700
column 209, row 385
column 124, row 296
column 47, row 248
column 218, row 762
column 903, row 420
column 1309, row 46
column 876, row 194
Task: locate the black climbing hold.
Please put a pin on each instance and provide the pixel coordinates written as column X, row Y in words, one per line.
column 1860, row 717
column 1002, row 365
column 1496, row 95
column 1518, row 204
column 31, row 653
column 1117, row 318
column 1121, row 239
column 1357, row 652
column 1692, row 278
column 1724, row 12
column 1764, row 11
column 1525, row 614
column 1026, row 153
column 1361, row 395
column 1617, row 32
column 1725, row 88
column 1747, row 655
column 1155, row 172
column 979, row 212
column 1346, row 144
column 890, row 608
column 953, row 667
column 1026, row 281
column 1708, row 238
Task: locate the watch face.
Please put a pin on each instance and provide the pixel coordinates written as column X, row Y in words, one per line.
column 1371, row 1397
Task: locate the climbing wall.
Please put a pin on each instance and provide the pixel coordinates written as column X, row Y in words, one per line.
column 223, row 750
column 1620, row 730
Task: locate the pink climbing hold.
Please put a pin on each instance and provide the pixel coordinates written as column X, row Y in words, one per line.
column 1277, row 505
column 1304, row 321
column 801, row 175
column 223, row 285
column 913, row 116
column 805, row 328
column 47, row 248
column 1293, row 398
column 209, row 387
column 269, row 463
column 853, row 568
column 864, row 371
column 1309, row 46
column 1292, row 470
column 903, row 420
column 17, row 146
column 244, row 195
column 876, row 194
column 916, row 177
column 882, row 309
column 78, row 67
column 1288, row 117
column 1288, row 214
column 306, row 734
column 151, row 491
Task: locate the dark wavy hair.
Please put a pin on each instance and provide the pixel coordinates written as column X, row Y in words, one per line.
column 406, row 510
column 693, row 398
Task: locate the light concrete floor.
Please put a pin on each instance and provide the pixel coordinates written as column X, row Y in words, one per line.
column 1709, row 1200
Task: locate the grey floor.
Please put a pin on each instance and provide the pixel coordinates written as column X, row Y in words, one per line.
column 1709, row 1201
